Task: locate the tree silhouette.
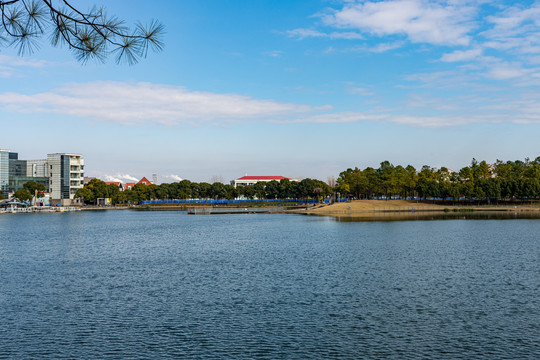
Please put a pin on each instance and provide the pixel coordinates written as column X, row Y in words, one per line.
column 89, row 35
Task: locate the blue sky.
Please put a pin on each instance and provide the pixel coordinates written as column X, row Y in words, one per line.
column 292, row 88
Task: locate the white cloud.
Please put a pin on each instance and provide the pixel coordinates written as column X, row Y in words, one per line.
column 512, row 18
column 273, row 53
column 307, row 33
column 10, row 64
column 11, row 61
column 384, row 47
column 420, row 21
column 516, row 28
column 340, row 117
column 174, row 177
column 139, row 103
column 112, row 178
column 451, row 79
column 360, row 91
column 121, row 178
column 506, row 71
column 378, row 48
column 469, row 107
column 462, row 55
column 433, row 121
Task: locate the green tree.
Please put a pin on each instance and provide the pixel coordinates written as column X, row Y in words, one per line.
column 164, row 191
column 286, row 189
column 89, row 35
column 467, row 190
column 372, row 180
column 306, row 188
column 480, row 180
column 184, row 189
column 466, row 174
column 153, row 191
column 248, row 191
column 387, row 180
column 400, row 176
column 502, row 169
column 426, row 182
column 98, row 188
column 483, row 171
column 23, row 195
column 112, row 191
column 230, row 192
column 121, row 198
column 411, row 180
column 489, row 187
column 259, row 189
column 218, row 191
column 86, row 194
column 32, row 186
column 356, row 181
column 204, row 190
column 343, row 190
column 140, row 192
column 321, row 189
column 272, row 189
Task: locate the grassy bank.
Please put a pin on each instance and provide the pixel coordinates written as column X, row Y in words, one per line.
column 374, row 207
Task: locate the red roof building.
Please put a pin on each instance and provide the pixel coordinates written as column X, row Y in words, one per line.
column 145, row 181
column 129, row 186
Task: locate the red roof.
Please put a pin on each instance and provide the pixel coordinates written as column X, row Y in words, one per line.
column 112, row 183
column 144, row 181
column 266, row 178
column 130, row 185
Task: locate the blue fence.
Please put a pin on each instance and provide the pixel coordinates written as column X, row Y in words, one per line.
column 303, row 201
column 225, row 202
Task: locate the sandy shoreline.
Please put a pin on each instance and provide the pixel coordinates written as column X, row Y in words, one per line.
column 383, row 208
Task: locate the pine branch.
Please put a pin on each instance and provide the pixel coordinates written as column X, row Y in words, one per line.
column 89, row 35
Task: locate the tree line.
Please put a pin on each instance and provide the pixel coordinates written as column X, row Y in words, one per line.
column 479, row 180
column 185, row 189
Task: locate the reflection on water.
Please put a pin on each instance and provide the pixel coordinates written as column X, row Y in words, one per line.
column 439, row 215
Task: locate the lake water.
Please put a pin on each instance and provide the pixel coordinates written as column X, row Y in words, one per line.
column 126, row 284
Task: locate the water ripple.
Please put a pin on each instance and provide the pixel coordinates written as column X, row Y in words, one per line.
column 166, row 285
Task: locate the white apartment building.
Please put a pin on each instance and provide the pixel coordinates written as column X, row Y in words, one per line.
column 37, row 168
column 66, row 174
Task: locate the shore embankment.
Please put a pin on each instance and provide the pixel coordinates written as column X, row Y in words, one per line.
column 368, row 209
column 374, row 208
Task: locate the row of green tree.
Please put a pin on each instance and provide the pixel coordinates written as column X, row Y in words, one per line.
column 185, row 189
column 480, row 180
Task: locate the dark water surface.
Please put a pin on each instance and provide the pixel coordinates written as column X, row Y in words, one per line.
column 166, row 285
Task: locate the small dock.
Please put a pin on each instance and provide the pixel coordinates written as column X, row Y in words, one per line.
column 38, row 209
